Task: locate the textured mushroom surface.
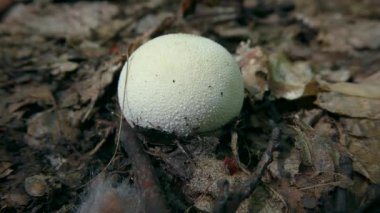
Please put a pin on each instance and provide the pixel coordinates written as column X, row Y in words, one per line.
column 181, row 84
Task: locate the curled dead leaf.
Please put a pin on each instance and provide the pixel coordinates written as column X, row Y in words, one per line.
column 66, row 20
column 316, row 150
column 46, row 128
column 364, row 90
column 352, row 106
column 64, row 67
column 5, row 169
column 339, row 34
column 289, row 80
column 254, row 67
column 366, row 153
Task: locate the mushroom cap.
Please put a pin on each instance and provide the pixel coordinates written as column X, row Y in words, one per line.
column 182, row 84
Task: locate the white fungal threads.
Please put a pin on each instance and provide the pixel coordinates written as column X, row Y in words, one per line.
column 181, row 84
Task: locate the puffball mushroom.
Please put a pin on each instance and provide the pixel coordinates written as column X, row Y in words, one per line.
column 182, row 84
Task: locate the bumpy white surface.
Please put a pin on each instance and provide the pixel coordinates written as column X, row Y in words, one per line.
column 181, row 84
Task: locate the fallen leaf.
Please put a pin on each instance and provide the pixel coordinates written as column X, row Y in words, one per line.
column 5, row 169
column 352, row 106
column 372, row 79
column 254, row 67
column 290, row 194
column 309, row 202
column 317, row 184
column 150, row 22
column 285, row 165
column 16, row 199
column 366, row 8
column 366, row 152
column 232, row 32
column 362, row 142
column 361, row 127
column 46, row 128
column 263, row 201
column 92, row 49
column 30, row 94
column 339, row 34
column 364, row 90
column 204, row 203
column 165, row 23
column 112, row 28
column 287, row 80
column 334, row 76
column 58, row 20
column 14, row 105
column 87, row 91
column 316, row 150
column 64, row 67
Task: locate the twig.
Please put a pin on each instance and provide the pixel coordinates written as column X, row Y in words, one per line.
column 145, row 178
column 235, row 152
column 229, row 202
column 97, row 147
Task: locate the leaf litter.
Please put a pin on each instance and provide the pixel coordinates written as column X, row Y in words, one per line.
column 314, row 65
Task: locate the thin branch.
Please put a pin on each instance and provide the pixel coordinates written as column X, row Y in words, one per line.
column 144, row 172
column 229, row 202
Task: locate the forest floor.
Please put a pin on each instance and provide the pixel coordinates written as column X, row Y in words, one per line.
column 311, row 70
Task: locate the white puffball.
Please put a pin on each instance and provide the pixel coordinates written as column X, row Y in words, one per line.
column 182, row 84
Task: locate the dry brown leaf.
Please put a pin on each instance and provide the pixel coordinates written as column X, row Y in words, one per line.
column 287, row 80
column 59, row 20
column 372, row 79
column 361, row 127
column 254, row 67
column 291, row 195
column 16, row 199
column 366, row 152
column 232, row 32
column 150, row 22
column 341, row 75
column 362, row 142
column 351, row 106
column 339, row 34
column 91, row 88
column 46, row 128
column 30, row 94
column 64, row 67
column 5, row 169
column 14, row 106
column 364, row 90
column 317, row 184
column 165, row 23
column 112, row 28
column 316, row 149
column 363, row 8
column 264, row 201
column 286, row 167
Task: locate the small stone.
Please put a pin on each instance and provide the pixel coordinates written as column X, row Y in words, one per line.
column 36, row 186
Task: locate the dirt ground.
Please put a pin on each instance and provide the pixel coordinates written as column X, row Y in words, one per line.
column 311, row 70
